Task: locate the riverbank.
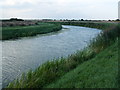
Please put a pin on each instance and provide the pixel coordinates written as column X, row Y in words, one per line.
column 90, row 24
column 15, row 32
column 99, row 72
column 53, row 70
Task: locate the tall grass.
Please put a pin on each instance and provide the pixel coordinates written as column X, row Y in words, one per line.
column 24, row 31
column 105, row 39
column 52, row 70
column 99, row 72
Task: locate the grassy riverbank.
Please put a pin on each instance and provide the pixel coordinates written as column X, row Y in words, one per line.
column 24, row 31
column 99, row 72
column 95, row 55
column 91, row 24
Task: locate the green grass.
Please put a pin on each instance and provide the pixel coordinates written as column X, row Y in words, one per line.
column 98, row 25
column 99, row 72
column 52, row 71
column 24, row 31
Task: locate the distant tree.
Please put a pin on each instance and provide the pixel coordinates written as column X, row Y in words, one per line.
column 117, row 19
column 73, row 20
column 67, row 20
column 15, row 19
column 82, row 20
column 86, row 20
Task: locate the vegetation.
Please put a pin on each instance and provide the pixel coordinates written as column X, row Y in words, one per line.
column 17, row 23
column 24, row 31
column 99, row 72
column 87, row 62
column 50, row 71
column 91, row 24
column 15, row 19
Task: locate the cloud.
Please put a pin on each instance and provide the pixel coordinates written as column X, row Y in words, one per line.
column 89, row 9
column 15, row 13
column 14, row 2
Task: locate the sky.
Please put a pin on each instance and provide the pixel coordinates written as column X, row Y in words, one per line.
column 59, row 9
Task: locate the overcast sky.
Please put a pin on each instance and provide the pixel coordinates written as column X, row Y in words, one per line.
column 59, row 9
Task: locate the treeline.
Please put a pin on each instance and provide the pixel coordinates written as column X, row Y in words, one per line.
column 12, row 19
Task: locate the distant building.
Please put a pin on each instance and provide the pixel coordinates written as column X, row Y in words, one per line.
column 119, row 10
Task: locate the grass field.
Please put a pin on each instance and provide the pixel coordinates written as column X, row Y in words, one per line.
column 24, row 31
column 96, row 64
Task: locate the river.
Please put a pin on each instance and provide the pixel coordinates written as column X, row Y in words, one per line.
column 27, row 53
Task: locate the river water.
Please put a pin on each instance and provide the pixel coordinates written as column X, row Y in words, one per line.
column 27, row 53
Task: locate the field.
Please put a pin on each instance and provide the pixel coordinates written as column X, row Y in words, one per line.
column 14, row 32
column 95, row 66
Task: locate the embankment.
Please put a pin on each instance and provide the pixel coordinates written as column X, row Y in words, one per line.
column 25, row 31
